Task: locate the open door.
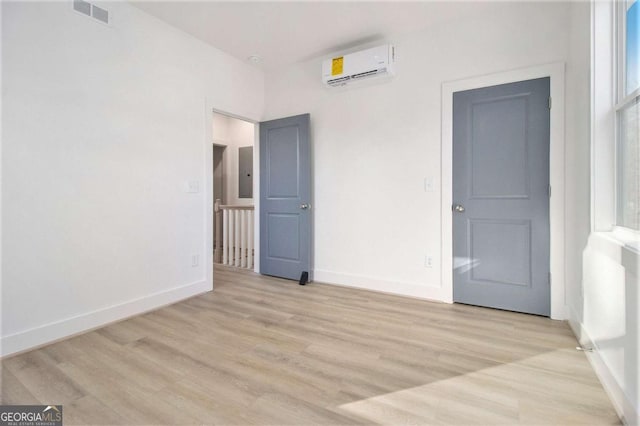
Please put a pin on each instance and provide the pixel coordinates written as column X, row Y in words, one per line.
column 285, row 198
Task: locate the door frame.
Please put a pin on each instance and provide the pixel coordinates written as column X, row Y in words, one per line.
column 219, row 144
column 556, row 73
column 208, row 142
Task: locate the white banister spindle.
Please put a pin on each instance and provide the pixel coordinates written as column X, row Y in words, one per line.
column 225, row 237
column 229, row 242
column 236, row 239
column 232, row 237
column 237, row 236
column 243, row 239
column 250, row 239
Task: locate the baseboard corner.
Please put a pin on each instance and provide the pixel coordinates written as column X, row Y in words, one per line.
column 52, row 332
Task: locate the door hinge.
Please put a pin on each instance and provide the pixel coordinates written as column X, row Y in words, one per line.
column 549, row 191
column 550, row 102
column 549, row 279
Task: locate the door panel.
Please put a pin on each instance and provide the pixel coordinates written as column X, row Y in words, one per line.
column 505, row 250
column 501, row 182
column 285, row 189
column 500, row 150
column 283, row 162
column 284, row 224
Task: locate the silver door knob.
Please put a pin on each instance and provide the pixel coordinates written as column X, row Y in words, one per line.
column 305, row 206
column 458, row 207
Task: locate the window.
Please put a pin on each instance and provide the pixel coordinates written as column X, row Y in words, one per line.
column 628, row 116
column 632, row 45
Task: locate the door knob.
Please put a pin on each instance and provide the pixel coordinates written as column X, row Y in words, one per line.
column 305, row 206
column 459, row 208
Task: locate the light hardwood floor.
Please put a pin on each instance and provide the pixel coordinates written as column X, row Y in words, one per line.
column 260, row 350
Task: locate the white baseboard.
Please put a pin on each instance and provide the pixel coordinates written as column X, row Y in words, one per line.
column 52, row 332
column 411, row 289
column 622, row 404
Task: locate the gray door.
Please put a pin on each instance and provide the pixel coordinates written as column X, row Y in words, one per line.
column 501, row 197
column 285, row 197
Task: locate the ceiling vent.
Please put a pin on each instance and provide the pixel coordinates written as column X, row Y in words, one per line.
column 88, row 9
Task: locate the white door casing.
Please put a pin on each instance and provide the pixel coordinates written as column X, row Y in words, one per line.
column 555, row 72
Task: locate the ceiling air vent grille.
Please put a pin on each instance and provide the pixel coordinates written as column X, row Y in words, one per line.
column 82, row 7
column 88, row 9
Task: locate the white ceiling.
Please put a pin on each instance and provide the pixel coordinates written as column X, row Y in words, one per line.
column 286, row 32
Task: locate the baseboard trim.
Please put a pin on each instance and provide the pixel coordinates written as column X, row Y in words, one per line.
column 49, row 333
column 623, row 406
column 399, row 288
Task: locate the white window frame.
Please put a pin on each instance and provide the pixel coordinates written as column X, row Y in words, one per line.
column 603, row 117
column 607, row 88
column 622, row 101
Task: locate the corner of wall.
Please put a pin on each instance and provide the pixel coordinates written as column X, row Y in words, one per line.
column 66, row 328
column 625, row 409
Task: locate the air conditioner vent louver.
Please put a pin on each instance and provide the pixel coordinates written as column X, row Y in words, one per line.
column 339, row 81
column 342, row 70
column 368, row 73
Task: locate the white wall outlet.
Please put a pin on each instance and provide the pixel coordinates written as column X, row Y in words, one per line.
column 429, row 184
column 428, row 261
column 195, row 260
column 193, row 186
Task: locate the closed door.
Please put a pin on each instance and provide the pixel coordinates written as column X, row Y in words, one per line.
column 501, row 197
column 285, row 197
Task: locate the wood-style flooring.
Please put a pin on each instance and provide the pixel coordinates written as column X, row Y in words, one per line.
column 259, row 350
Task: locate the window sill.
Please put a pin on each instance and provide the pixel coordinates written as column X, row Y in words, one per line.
column 627, row 239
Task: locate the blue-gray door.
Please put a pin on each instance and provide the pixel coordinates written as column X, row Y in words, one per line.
column 285, row 197
column 501, row 197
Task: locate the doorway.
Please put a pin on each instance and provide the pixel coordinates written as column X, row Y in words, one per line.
column 285, row 198
column 234, row 221
column 281, row 181
column 556, row 73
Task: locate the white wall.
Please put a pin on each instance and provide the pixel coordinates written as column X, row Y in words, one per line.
column 373, row 146
column 603, row 297
column 610, row 318
column 233, row 133
column 102, row 128
column 220, row 128
column 577, row 167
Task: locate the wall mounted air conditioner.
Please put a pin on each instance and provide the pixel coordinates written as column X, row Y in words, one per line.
column 375, row 62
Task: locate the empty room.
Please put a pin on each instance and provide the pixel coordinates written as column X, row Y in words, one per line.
column 320, row 212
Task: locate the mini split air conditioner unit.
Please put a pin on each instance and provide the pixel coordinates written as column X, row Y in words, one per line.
column 375, row 62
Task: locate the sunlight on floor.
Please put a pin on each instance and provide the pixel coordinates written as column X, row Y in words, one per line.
column 492, row 396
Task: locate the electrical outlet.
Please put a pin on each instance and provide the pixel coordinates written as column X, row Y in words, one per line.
column 429, row 184
column 192, row 186
column 428, row 261
column 195, row 260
